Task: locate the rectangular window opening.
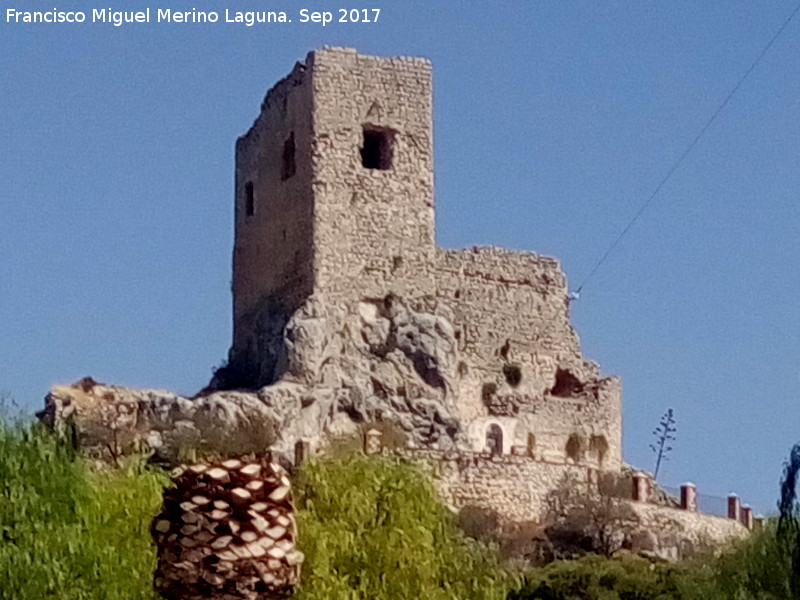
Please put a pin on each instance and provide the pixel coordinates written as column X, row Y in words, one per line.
column 376, row 151
column 288, row 166
column 249, row 199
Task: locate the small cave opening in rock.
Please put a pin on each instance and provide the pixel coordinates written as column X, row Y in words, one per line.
column 505, row 349
column 397, row 263
column 379, row 389
column 566, row 385
column 463, row 369
column 487, row 391
column 513, row 375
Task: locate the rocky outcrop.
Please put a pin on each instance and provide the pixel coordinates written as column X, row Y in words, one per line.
column 380, row 362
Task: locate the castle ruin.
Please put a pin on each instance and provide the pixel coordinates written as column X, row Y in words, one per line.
column 334, row 211
column 348, row 317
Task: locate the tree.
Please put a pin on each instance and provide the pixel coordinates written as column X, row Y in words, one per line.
column 582, row 517
column 664, row 435
column 789, row 520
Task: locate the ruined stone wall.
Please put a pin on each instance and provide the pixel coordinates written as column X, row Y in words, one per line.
column 516, row 488
column 522, row 367
column 274, row 240
column 674, row 534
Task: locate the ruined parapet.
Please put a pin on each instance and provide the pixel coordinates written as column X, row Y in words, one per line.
column 227, row 530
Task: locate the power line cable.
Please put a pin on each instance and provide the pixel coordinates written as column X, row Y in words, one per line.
column 686, row 152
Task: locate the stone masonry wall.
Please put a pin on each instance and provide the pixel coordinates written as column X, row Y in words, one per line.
column 516, row 489
column 273, row 250
column 511, row 319
column 374, row 227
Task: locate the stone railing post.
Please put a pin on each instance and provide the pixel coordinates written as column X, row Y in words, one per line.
column 734, row 508
column 747, row 516
column 372, row 441
column 758, row 522
column 689, row 497
column 302, row 449
column 641, row 485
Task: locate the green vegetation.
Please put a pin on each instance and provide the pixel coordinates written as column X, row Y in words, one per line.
column 371, row 527
column 597, row 578
column 757, row 569
column 70, row 532
column 375, row 528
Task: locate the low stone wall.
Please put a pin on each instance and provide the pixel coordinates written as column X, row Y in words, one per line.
column 673, row 533
column 515, row 489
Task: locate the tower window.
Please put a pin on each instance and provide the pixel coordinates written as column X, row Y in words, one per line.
column 376, row 151
column 249, row 199
column 288, row 166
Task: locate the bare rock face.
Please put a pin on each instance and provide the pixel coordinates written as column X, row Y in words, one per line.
column 110, row 421
column 382, row 361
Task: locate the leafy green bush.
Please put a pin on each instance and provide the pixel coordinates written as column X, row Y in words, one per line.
column 374, row 528
column 630, row 578
column 760, row 568
column 68, row 531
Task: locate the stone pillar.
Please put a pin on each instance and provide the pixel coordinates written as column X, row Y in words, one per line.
column 593, row 479
column 758, row 522
column 747, row 516
column 372, row 441
column 689, row 497
column 641, row 487
column 734, row 509
column 302, row 449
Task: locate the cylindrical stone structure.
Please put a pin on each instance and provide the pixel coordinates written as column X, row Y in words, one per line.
column 734, row 508
column 689, row 496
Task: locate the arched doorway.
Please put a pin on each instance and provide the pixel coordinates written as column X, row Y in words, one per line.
column 494, row 439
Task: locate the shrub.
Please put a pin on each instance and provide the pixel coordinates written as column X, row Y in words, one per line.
column 70, row 532
column 758, row 568
column 629, row 578
column 374, row 527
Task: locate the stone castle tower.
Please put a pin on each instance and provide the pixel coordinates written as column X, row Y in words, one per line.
column 334, row 185
column 338, row 283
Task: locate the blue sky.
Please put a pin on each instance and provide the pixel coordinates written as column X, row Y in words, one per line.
column 554, row 120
